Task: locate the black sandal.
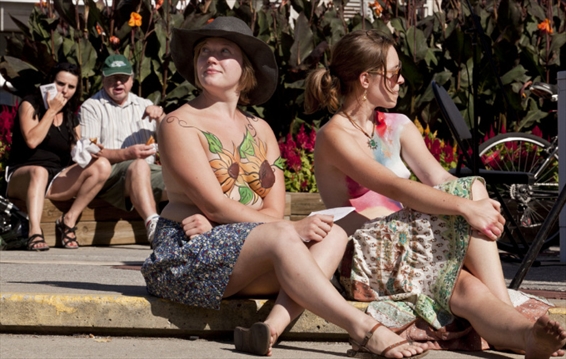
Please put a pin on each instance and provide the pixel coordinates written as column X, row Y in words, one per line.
column 62, row 233
column 32, row 243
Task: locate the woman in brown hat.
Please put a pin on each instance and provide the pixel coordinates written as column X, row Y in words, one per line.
column 222, row 232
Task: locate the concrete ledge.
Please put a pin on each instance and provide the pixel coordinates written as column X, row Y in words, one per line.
column 150, row 316
column 127, row 315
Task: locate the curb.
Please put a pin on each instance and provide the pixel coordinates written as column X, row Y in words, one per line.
column 147, row 316
column 150, row 316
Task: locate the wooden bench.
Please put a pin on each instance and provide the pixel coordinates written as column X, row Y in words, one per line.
column 102, row 225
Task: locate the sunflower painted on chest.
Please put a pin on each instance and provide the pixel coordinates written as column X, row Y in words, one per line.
column 243, row 172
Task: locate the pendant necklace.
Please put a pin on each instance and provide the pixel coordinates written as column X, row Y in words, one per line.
column 372, row 143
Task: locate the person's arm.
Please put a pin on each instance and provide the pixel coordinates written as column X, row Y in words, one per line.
column 154, row 113
column 419, row 159
column 34, row 130
column 339, row 149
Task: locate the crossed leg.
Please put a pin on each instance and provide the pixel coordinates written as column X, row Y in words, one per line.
column 275, row 251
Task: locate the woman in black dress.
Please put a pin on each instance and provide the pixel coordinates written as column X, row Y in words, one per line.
column 40, row 163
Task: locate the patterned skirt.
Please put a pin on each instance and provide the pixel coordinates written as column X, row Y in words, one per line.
column 193, row 271
column 407, row 263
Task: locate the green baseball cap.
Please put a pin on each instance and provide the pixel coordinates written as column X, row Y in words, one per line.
column 117, row 65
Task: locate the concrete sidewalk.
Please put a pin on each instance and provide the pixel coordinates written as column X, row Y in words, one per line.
column 99, row 290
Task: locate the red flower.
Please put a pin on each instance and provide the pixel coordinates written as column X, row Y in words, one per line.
column 302, row 138
column 537, row 132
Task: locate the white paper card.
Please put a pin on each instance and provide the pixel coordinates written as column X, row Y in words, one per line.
column 50, row 89
column 338, row 212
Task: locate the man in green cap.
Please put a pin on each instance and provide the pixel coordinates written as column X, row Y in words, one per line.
column 124, row 126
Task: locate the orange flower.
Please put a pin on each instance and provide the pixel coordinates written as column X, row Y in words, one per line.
column 158, row 4
column 377, row 9
column 114, row 41
column 545, row 27
column 135, row 20
column 257, row 172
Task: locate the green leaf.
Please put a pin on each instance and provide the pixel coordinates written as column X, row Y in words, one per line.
column 247, row 148
column 23, row 27
column 303, row 44
column 514, row 74
column 279, row 163
column 246, row 195
column 145, row 68
column 68, row 11
column 558, row 40
column 214, row 144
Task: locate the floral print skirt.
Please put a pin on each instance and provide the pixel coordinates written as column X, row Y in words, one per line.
column 407, row 263
column 193, row 271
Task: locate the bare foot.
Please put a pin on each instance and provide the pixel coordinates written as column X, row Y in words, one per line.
column 274, row 337
column 545, row 339
column 384, row 341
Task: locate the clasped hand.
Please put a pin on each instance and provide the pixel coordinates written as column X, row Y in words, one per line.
column 485, row 216
column 195, row 225
column 314, row 228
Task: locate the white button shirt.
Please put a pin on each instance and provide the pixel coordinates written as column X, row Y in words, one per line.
column 116, row 126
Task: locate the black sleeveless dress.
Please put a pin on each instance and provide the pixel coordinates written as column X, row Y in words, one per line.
column 53, row 153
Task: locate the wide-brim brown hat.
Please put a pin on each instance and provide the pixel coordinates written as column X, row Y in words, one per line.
column 233, row 29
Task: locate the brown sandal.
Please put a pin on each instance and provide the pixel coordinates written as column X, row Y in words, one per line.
column 32, row 243
column 364, row 353
column 62, row 233
column 255, row 340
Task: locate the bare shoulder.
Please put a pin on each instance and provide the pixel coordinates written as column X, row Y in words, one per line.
column 258, row 124
column 184, row 116
column 332, row 133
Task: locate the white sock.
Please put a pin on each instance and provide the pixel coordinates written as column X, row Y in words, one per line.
column 148, row 219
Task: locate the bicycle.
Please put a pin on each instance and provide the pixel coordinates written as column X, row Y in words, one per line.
column 529, row 204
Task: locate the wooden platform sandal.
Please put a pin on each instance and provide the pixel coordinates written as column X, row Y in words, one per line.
column 255, row 340
column 62, row 233
column 33, row 242
column 364, row 353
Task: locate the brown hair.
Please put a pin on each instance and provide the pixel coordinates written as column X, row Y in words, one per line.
column 247, row 82
column 357, row 52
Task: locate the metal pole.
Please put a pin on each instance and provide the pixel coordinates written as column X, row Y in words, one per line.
column 562, row 154
column 537, row 244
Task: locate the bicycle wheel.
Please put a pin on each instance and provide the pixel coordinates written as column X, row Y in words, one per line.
column 528, row 205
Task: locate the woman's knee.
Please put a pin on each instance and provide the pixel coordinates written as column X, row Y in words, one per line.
column 479, row 191
column 282, row 235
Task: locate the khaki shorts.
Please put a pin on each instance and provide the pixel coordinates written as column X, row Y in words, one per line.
column 114, row 188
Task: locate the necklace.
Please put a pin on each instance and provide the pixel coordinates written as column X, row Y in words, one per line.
column 372, row 143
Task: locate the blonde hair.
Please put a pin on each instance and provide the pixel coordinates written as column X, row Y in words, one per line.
column 357, row 52
column 247, row 81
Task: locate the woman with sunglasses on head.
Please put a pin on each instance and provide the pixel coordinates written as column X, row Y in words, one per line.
column 221, row 166
column 40, row 163
column 429, row 246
